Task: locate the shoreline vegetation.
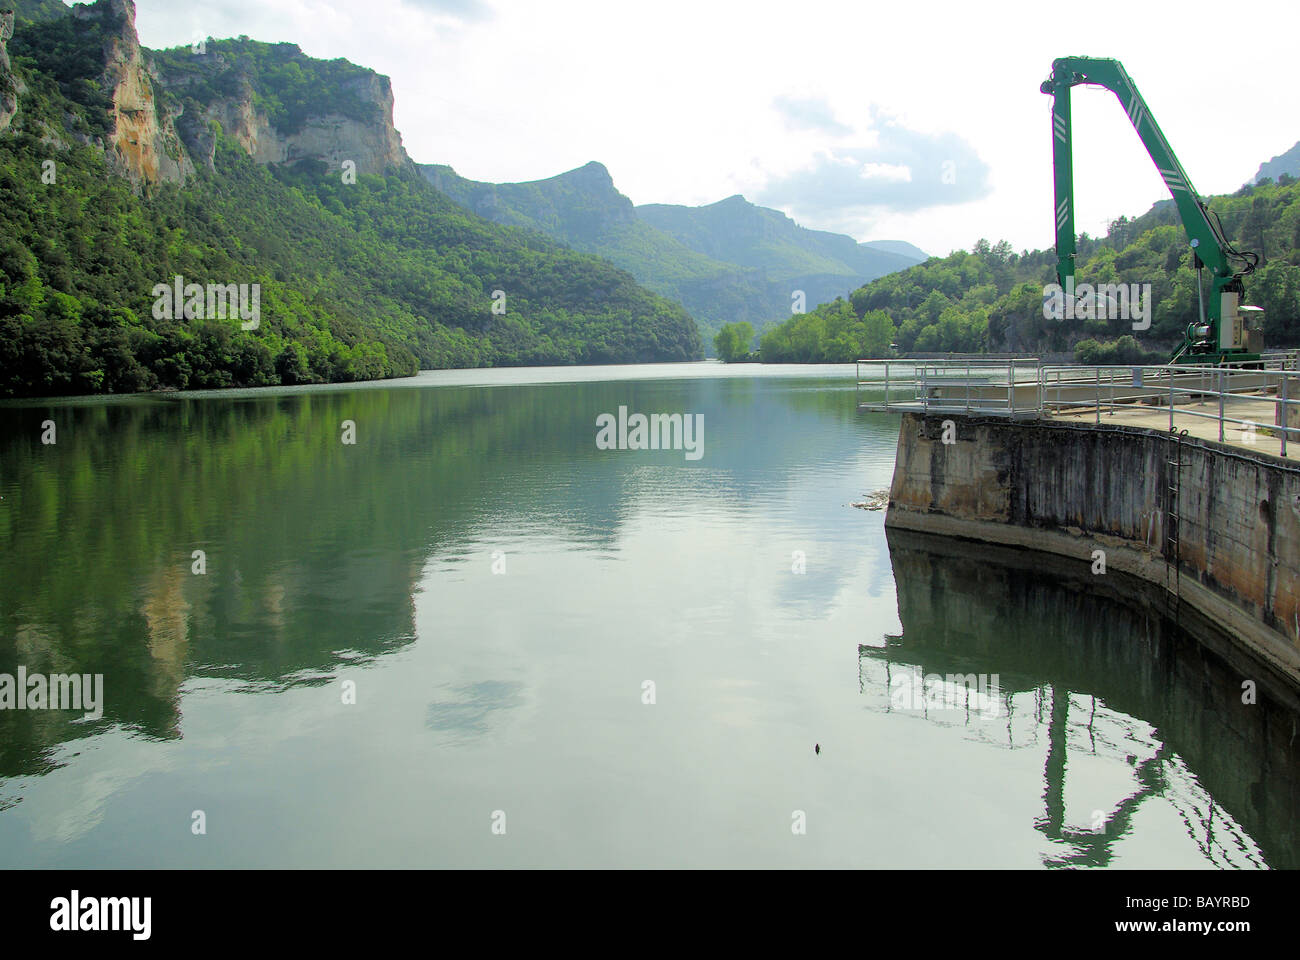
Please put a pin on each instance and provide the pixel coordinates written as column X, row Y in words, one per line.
column 991, row 299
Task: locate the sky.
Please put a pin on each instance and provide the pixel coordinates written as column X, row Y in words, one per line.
column 918, row 121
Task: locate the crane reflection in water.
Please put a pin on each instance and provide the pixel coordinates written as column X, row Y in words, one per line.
column 1052, row 675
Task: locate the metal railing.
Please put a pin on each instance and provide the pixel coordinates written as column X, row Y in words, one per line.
column 1005, row 385
column 1259, row 399
column 1252, row 400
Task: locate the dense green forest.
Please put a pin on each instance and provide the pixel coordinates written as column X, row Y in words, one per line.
column 991, row 299
column 358, row 280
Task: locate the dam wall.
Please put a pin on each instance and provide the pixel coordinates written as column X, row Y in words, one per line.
column 1218, row 535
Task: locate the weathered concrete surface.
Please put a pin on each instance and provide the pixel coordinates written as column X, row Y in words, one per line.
column 1071, row 490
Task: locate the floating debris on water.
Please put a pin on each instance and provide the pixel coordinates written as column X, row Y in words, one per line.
column 875, row 501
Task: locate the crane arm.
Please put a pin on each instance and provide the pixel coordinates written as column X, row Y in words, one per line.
column 1067, row 72
column 1207, row 239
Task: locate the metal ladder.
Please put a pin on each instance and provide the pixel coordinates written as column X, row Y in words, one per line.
column 1173, row 519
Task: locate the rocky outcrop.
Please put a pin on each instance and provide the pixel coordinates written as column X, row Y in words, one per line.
column 151, row 139
column 142, row 142
column 239, row 120
column 373, row 145
column 8, row 82
column 332, row 138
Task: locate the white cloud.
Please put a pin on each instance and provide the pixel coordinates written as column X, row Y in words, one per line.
column 896, row 172
column 809, row 113
column 458, row 9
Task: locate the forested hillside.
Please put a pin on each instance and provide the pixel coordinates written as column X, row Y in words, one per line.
column 992, row 298
column 122, row 169
column 737, row 231
column 582, row 209
column 729, row 261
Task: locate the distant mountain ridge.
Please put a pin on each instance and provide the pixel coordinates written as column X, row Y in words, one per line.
column 582, row 208
column 1288, row 163
column 900, row 247
column 725, row 262
column 738, row 231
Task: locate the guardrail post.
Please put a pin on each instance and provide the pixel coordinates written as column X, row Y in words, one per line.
column 1098, row 369
column 1286, row 421
column 886, row 386
column 1221, row 405
column 1171, row 400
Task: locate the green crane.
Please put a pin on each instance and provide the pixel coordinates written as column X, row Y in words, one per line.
column 1227, row 330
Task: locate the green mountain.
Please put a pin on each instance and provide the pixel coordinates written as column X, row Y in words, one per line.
column 991, row 299
column 729, row 261
column 736, row 230
column 37, row 10
column 246, row 167
column 1285, row 164
column 583, row 209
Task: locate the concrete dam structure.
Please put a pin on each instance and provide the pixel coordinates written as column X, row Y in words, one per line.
column 1075, row 490
column 1209, row 530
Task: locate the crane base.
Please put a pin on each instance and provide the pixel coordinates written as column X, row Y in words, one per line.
column 1217, row 358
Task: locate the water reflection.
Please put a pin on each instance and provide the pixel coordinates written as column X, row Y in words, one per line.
column 474, row 706
column 1125, row 708
column 312, row 550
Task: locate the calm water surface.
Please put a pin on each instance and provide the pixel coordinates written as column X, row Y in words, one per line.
column 498, row 592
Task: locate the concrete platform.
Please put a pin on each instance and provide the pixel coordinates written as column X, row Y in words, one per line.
column 1200, row 420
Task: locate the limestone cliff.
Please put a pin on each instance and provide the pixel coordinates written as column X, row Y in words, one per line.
column 8, row 82
column 351, row 121
column 375, row 146
column 164, row 108
column 142, row 142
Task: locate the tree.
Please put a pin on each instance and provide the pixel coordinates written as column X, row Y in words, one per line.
column 878, row 335
column 734, row 340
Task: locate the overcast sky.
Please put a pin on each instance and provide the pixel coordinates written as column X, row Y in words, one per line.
column 846, row 115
